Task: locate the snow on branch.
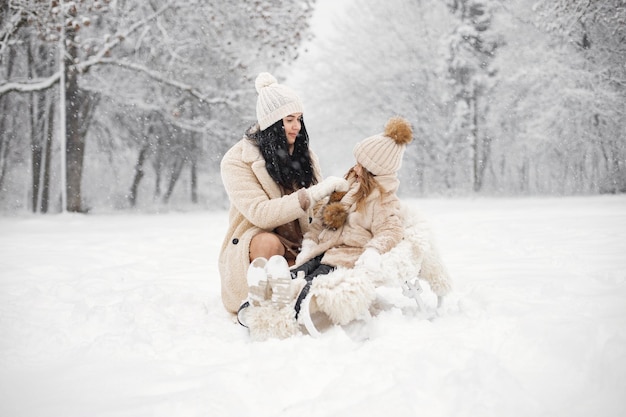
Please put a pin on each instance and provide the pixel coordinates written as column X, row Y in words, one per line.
column 117, row 39
column 36, row 85
column 159, row 77
column 14, row 22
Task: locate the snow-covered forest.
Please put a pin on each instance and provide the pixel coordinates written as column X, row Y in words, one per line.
column 506, row 97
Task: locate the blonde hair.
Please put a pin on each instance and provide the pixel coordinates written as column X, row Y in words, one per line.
column 367, row 184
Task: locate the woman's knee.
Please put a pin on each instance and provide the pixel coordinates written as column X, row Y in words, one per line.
column 266, row 245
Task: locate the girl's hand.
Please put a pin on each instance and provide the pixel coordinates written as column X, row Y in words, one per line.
column 370, row 260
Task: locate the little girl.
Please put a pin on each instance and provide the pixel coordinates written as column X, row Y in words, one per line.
column 355, row 227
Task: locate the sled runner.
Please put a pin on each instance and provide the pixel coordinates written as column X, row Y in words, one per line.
column 344, row 295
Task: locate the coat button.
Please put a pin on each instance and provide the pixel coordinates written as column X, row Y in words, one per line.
column 235, row 241
column 310, row 220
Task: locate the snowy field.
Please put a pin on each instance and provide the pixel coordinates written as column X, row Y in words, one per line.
column 120, row 315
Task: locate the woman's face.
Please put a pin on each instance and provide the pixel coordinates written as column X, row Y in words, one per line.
column 292, row 125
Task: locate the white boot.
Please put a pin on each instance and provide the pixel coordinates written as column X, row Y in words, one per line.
column 275, row 317
column 279, row 278
column 258, row 290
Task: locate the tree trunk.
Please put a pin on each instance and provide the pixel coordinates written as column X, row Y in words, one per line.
column 472, row 106
column 194, row 167
column 139, row 173
column 44, row 199
column 75, row 142
column 36, row 156
column 158, row 166
column 482, row 145
column 35, row 113
column 41, row 129
column 5, row 139
column 525, row 176
column 194, row 181
column 80, row 107
column 176, row 170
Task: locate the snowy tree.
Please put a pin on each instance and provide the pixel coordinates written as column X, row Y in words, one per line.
column 559, row 104
column 376, row 60
column 428, row 61
column 501, row 101
column 472, row 47
column 60, row 22
column 596, row 32
column 186, row 62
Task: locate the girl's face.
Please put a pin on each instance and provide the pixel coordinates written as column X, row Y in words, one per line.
column 292, row 125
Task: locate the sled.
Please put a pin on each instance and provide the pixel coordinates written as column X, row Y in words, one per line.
column 348, row 295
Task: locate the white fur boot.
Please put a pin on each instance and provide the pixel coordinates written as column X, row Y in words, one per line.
column 258, row 290
column 343, row 295
column 273, row 316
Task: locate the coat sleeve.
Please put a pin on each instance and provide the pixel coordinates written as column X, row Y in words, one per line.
column 252, row 199
column 387, row 229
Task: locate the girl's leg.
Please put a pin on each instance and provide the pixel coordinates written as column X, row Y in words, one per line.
column 307, row 267
column 322, row 269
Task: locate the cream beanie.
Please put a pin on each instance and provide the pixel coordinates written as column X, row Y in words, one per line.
column 275, row 100
column 382, row 154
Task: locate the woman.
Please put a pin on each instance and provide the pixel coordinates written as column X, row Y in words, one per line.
column 271, row 178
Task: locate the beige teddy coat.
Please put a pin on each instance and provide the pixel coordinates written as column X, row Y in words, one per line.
column 378, row 226
column 256, row 205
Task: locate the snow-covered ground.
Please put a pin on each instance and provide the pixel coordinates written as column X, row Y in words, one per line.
column 120, row 315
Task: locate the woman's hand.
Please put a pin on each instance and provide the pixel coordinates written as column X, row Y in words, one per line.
column 326, row 188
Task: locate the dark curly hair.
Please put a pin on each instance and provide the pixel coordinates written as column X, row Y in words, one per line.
column 289, row 171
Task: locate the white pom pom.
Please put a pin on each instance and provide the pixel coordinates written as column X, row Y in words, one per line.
column 263, row 80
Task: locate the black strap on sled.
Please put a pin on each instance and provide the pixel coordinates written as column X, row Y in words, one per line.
column 241, row 308
column 302, row 296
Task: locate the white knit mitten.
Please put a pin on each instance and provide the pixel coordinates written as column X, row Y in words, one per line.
column 306, row 249
column 326, row 188
column 370, row 260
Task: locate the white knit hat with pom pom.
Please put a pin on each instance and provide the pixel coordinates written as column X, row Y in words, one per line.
column 275, row 101
column 382, row 154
